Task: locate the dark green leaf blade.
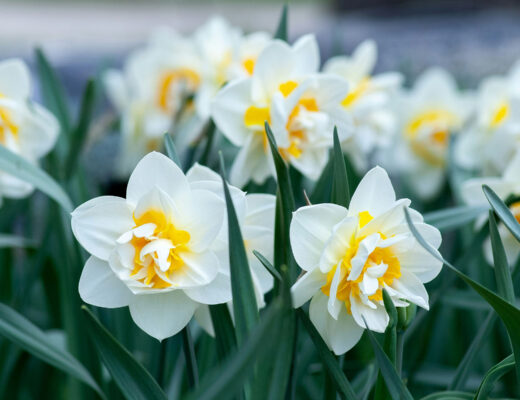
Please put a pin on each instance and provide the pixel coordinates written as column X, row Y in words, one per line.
column 502, row 211
column 282, row 29
column 338, row 377
column 134, row 381
column 171, row 151
column 493, row 375
column 340, row 186
column 28, row 336
column 455, row 217
column 265, row 262
column 19, row 167
column 502, row 270
column 245, row 308
column 449, row 395
column 224, row 330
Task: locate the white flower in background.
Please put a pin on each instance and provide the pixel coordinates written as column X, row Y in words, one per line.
column 255, row 213
column 26, row 128
column 169, row 84
column 429, row 113
column 301, row 106
column 349, row 256
column 368, row 101
column 493, row 137
column 153, row 250
column 506, row 185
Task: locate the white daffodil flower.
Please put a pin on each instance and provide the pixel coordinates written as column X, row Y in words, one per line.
column 255, row 213
column 26, row 128
column 349, row 256
column 301, row 107
column 506, row 185
column 429, row 113
column 368, row 102
column 491, row 140
column 170, row 83
column 153, row 251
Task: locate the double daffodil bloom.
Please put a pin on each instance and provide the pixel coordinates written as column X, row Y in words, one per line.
column 368, row 102
column 169, row 84
column 429, row 113
column 26, row 128
column 255, row 213
column 301, row 106
column 506, row 185
column 491, row 140
column 350, row 256
column 153, row 251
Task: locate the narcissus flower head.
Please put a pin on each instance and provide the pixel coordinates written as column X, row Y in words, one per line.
column 153, row 250
column 26, row 128
column 350, row 255
column 301, row 106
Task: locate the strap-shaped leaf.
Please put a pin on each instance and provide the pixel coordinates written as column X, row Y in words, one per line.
column 16, row 241
column 340, row 186
column 224, row 330
column 245, row 308
column 449, row 395
column 329, row 361
column 28, row 336
column 455, row 217
column 19, row 167
column 502, row 270
column 493, row 375
column 281, row 31
column 508, row 313
column 322, row 189
column 171, row 151
column 268, row 266
column 134, row 381
column 502, row 211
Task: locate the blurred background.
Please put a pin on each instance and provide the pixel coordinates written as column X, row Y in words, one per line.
column 470, row 38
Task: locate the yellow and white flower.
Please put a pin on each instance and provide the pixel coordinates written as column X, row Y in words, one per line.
column 255, row 213
column 301, row 106
column 169, row 84
column 506, row 185
column 153, row 251
column 349, row 256
column 491, row 140
column 430, row 113
column 368, row 102
column 26, row 128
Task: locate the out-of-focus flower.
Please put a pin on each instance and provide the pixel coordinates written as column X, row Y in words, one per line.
column 491, row 140
column 368, row 102
column 301, row 107
column 26, row 128
column 350, row 256
column 506, row 185
column 429, row 113
column 255, row 213
column 168, row 85
column 153, row 251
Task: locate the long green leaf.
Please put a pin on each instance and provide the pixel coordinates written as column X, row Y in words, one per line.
column 329, row 361
column 452, row 218
column 281, row 31
column 322, row 189
column 171, row 150
column 508, row 313
column 224, row 330
column 245, row 308
column 502, row 211
column 502, row 270
column 134, row 381
column 394, row 384
column 340, row 187
column 449, row 395
column 28, row 336
column 19, row 167
column 190, row 358
column 79, row 134
column 268, row 266
column 227, row 380
column 493, row 375
column 16, row 241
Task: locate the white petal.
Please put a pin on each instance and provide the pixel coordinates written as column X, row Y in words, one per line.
column 365, row 56
column 344, row 333
column 334, row 305
column 307, row 286
column 199, row 173
column 157, row 170
column 164, row 314
column 306, row 55
column 216, row 292
column 100, row 287
column 410, row 288
column 39, row 132
column 203, row 318
column 201, row 269
column 311, row 227
column 15, row 79
column 260, row 210
column 251, row 163
column 374, row 193
column 98, row 223
column 376, row 318
column 365, row 248
column 340, row 241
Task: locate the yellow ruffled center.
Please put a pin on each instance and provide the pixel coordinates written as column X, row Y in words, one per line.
column 158, row 253
column 356, row 93
column 515, row 210
column 352, row 288
column 500, row 115
column 249, row 65
column 185, row 80
column 7, row 125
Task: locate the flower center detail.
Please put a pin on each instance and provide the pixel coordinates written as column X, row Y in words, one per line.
column 363, row 276
column 7, row 125
column 500, row 115
column 182, row 80
column 356, row 93
column 158, row 249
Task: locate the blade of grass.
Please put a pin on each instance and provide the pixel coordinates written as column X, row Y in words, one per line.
column 224, row 330
column 170, row 149
column 502, row 270
column 493, row 375
column 502, row 211
column 134, row 381
column 340, row 186
column 191, row 359
column 452, row 218
column 16, row 241
column 268, row 266
column 281, row 31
